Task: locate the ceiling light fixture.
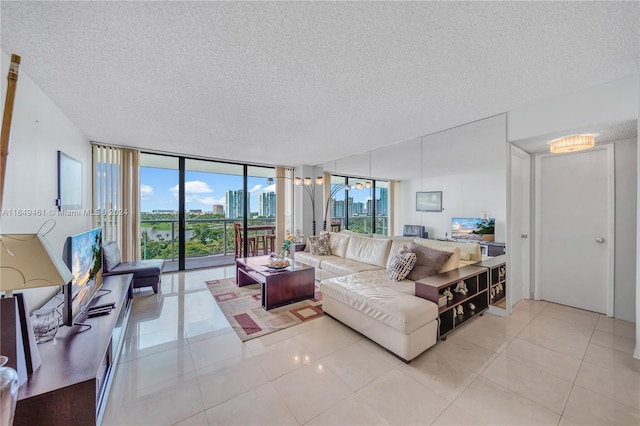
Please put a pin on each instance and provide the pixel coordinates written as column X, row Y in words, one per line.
column 572, row 144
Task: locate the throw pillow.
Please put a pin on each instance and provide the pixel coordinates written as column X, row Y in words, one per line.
column 401, row 264
column 110, row 255
column 319, row 245
column 428, row 261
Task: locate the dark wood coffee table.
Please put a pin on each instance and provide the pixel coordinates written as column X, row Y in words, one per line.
column 281, row 287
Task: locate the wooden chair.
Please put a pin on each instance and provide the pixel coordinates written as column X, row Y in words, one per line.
column 251, row 241
column 271, row 244
column 260, row 244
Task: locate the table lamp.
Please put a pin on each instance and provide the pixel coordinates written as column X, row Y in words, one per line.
column 26, row 261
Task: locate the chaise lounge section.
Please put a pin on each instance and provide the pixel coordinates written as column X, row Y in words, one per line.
column 358, row 291
column 146, row 273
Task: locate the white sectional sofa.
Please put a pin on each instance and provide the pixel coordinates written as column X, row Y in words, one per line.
column 356, row 290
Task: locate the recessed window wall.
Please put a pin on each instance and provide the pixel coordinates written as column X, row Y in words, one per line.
column 188, row 208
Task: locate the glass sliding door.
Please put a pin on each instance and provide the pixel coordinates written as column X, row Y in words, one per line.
column 214, row 200
column 159, row 181
column 262, row 208
column 189, row 208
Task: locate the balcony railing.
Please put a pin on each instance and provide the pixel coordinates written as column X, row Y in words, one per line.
column 203, row 237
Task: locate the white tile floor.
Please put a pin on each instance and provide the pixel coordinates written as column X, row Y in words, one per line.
column 545, row 364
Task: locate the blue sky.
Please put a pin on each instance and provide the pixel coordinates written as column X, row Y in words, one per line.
column 159, row 189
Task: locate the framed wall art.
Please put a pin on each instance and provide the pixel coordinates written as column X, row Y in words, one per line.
column 430, row 201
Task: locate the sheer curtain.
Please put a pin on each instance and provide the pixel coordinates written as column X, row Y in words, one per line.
column 284, row 204
column 116, row 184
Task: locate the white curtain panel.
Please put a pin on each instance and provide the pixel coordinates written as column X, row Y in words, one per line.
column 116, row 198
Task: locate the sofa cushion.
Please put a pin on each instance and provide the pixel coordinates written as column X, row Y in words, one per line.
column 454, row 261
column 319, row 245
column 338, row 244
column 474, row 249
column 308, row 259
column 110, row 255
column 401, row 264
column 368, row 250
column 428, row 261
column 374, row 294
column 342, row 266
column 140, row 268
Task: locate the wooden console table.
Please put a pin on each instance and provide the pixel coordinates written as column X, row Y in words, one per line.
column 72, row 384
column 476, row 281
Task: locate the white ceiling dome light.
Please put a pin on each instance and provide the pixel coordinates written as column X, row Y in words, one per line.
column 572, row 144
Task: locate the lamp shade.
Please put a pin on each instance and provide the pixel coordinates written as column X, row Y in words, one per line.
column 29, row 261
column 572, row 144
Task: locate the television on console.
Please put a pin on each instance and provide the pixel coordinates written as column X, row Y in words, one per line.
column 473, row 228
column 83, row 256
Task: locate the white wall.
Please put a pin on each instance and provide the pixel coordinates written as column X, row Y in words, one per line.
column 468, row 164
column 625, row 233
column 39, row 129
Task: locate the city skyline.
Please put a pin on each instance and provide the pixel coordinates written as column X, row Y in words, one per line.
column 159, row 190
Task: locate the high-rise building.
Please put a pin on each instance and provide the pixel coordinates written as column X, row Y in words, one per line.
column 337, row 208
column 358, row 208
column 218, row 209
column 267, row 204
column 382, row 209
column 235, row 204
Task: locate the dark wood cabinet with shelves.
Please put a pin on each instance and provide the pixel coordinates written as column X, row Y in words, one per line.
column 493, row 248
column 497, row 268
column 458, row 310
column 72, row 384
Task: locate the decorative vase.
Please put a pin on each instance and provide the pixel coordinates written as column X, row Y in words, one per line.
column 8, row 392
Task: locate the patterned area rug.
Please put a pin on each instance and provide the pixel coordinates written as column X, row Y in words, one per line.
column 242, row 308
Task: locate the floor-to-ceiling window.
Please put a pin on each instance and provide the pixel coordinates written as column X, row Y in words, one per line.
column 189, row 207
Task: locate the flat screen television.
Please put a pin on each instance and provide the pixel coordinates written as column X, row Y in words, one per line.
column 473, row 228
column 83, row 255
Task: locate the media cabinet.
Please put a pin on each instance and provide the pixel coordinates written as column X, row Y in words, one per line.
column 72, row 384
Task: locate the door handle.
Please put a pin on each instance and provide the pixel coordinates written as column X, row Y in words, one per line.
column 524, row 236
column 600, row 240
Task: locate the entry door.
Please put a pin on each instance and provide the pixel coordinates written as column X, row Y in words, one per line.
column 574, row 215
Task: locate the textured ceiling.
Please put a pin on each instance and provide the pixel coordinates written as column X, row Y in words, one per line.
column 308, row 82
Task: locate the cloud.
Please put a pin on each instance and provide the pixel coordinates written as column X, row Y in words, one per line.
column 259, row 188
column 195, row 191
column 193, row 187
column 256, row 188
column 146, row 192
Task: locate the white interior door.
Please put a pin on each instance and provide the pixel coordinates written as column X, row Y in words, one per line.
column 518, row 248
column 574, row 229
